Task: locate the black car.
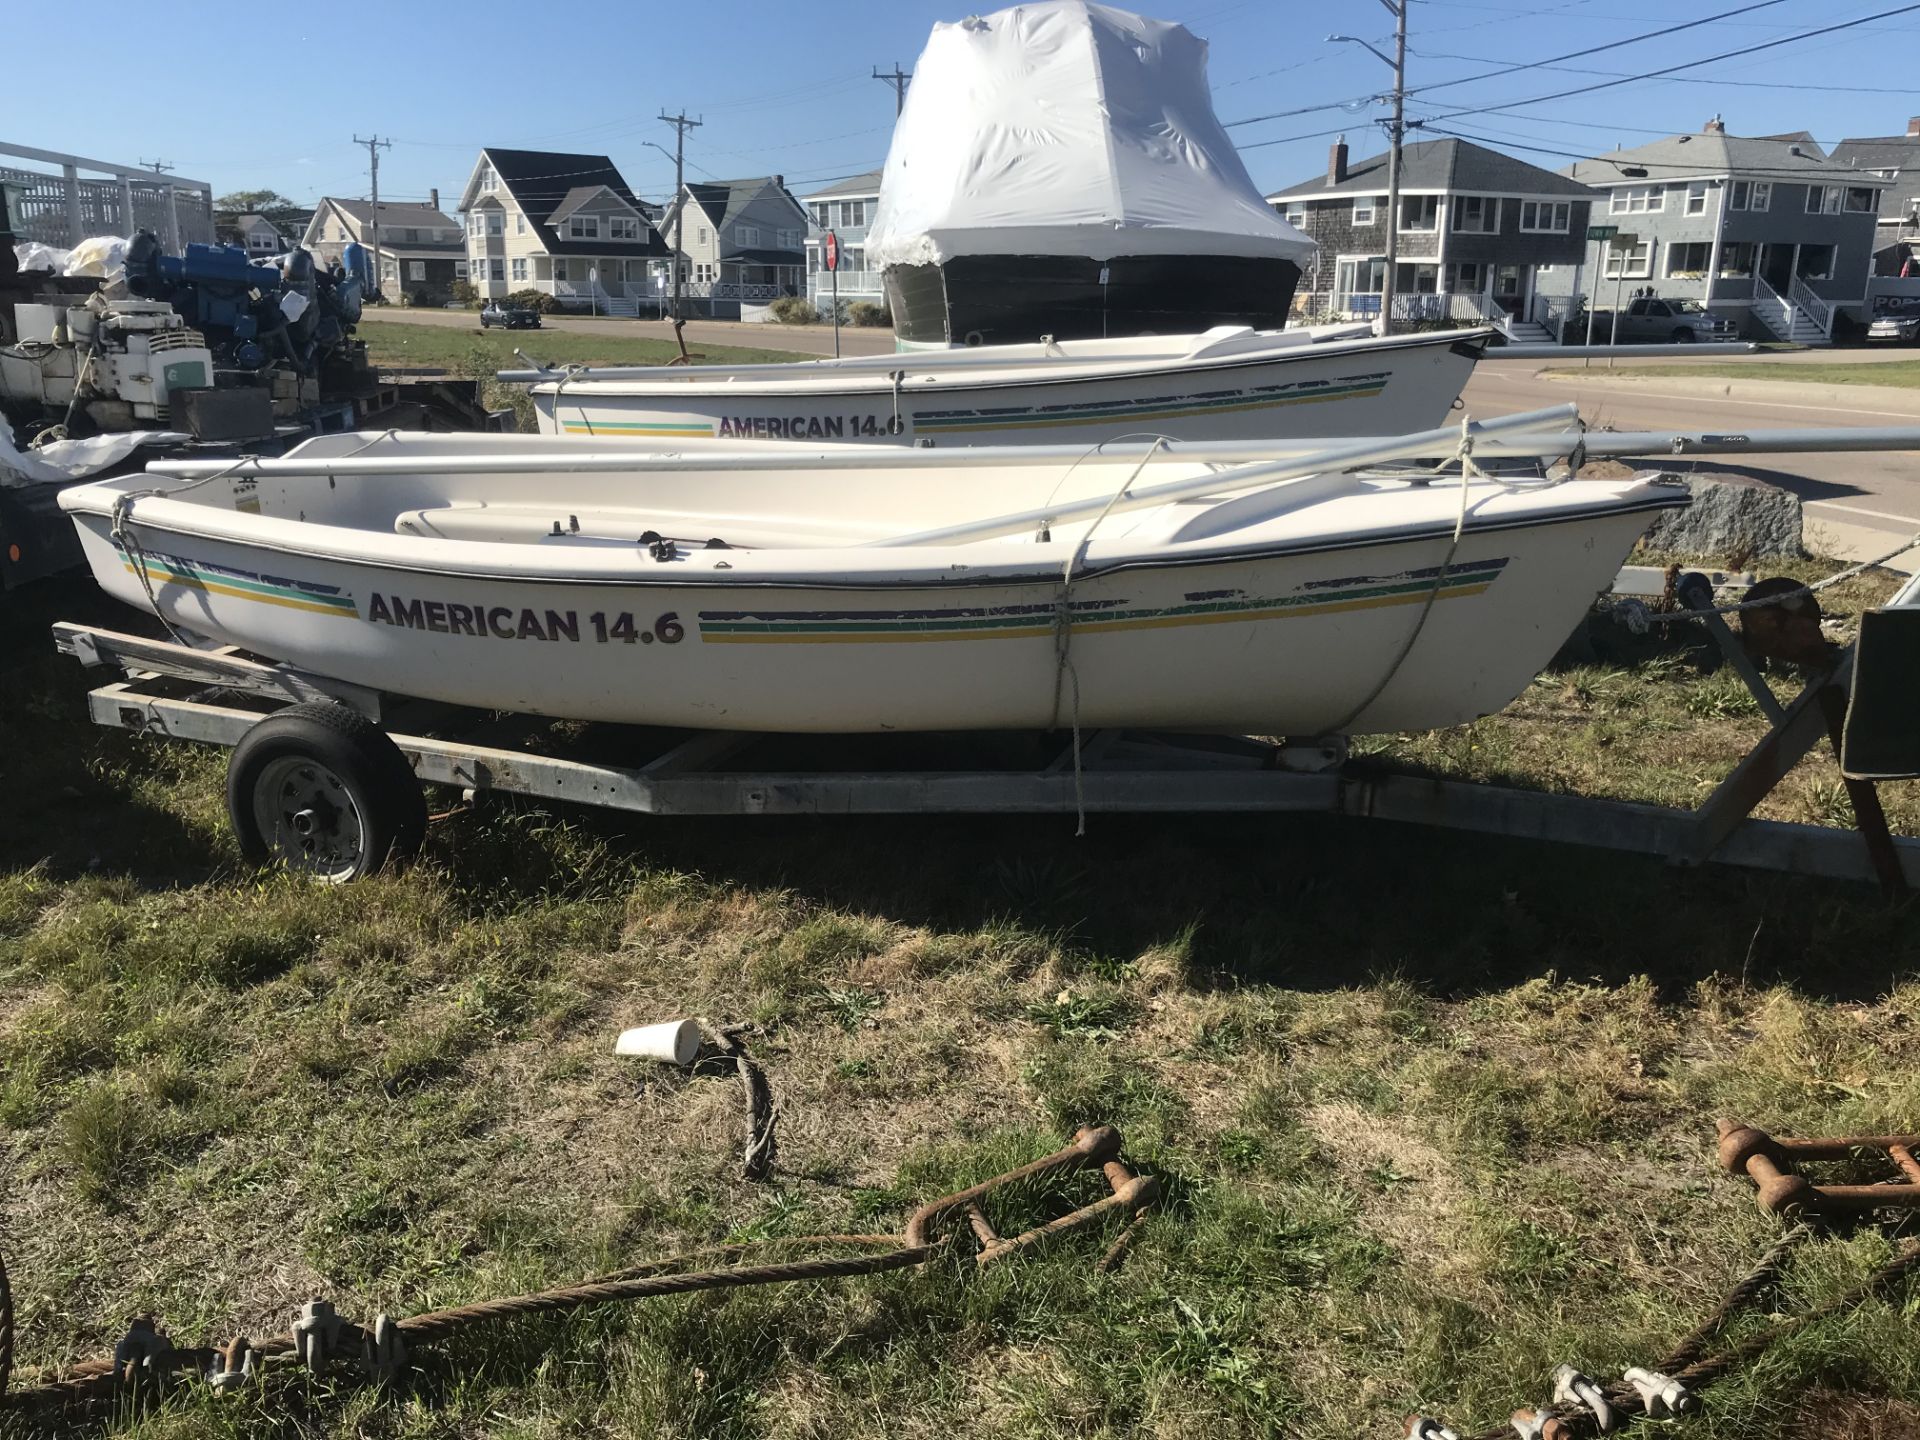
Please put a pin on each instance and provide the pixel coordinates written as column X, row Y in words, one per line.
column 508, row 316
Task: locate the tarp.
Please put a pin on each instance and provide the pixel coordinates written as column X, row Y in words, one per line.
column 1067, row 128
column 66, row 462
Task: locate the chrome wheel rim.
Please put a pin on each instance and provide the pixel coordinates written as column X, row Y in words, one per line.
column 308, row 819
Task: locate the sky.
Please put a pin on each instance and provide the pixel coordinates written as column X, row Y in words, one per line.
column 787, row 88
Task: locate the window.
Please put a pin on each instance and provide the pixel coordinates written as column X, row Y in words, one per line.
column 1294, row 212
column 413, row 236
column 1637, row 200
column 583, row 227
column 853, row 212
column 459, row 269
column 488, row 180
column 1633, row 264
column 747, row 235
column 1815, row 262
column 1358, row 283
column 519, row 223
column 1688, row 261
column 519, row 267
column 1736, row 260
column 701, row 232
column 1417, row 279
column 416, row 270
column 340, row 233
column 495, row 223
column 822, row 214
column 1420, row 212
column 1476, row 215
column 1823, row 199
column 1750, row 195
column 497, row 268
column 1546, row 217
column 703, row 272
column 1363, row 210
column 1861, row 200
column 1697, row 197
column 1466, row 277
column 560, row 268
column 623, row 227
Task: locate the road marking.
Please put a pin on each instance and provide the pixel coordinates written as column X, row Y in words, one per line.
column 1860, row 510
column 1622, row 396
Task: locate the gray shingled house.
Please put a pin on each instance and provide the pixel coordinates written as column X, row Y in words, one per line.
column 1482, row 237
column 1895, row 159
column 1768, row 231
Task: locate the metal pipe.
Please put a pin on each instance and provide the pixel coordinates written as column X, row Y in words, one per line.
column 1280, row 472
column 545, row 455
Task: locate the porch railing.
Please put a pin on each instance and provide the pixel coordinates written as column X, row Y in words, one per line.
column 1773, row 308
column 1818, row 310
column 1467, row 309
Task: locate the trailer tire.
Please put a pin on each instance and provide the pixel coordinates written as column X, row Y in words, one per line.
column 323, row 790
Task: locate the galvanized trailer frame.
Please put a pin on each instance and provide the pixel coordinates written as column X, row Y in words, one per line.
column 216, row 696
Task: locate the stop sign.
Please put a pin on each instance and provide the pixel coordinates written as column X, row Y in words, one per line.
column 830, row 251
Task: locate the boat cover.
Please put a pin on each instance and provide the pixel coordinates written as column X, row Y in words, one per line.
column 1067, row 128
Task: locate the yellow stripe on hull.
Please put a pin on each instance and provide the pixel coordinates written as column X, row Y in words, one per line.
column 214, row 587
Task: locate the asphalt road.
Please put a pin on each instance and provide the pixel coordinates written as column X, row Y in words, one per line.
column 1858, row 506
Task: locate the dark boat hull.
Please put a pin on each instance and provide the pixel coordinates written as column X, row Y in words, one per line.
column 1011, row 299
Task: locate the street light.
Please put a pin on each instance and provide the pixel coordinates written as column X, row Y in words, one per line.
column 1396, row 132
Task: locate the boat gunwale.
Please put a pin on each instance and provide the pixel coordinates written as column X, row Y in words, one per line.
column 560, row 387
column 1648, row 499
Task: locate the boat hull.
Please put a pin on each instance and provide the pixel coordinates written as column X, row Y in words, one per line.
column 1308, row 390
column 1365, row 638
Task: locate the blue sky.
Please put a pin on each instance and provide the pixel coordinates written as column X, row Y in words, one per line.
column 786, row 87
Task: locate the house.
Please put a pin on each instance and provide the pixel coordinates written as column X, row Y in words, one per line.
column 1483, row 237
column 1895, row 159
column 740, row 241
column 845, row 208
column 420, row 251
column 1769, row 231
column 255, row 234
column 567, row 225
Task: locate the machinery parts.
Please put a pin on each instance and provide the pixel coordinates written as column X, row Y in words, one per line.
column 1770, row 1163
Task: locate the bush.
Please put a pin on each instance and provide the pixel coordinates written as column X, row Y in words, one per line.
column 462, row 291
column 421, row 297
column 535, row 300
column 865, row 312
column 794, row 310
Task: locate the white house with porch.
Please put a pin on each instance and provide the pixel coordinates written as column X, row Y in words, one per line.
column 567, row 225
column 741, row 243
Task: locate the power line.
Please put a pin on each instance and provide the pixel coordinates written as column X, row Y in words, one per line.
column 1624, row 164
column 897, row 78
column 1700, row 79
column 1684, row 65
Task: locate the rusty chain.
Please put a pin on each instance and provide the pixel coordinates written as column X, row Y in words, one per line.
column 146, row 1362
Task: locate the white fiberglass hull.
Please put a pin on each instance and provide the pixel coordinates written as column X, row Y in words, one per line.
column 1281, row 630
column 1239, row 389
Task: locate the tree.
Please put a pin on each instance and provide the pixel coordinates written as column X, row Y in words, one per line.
column 270, row 203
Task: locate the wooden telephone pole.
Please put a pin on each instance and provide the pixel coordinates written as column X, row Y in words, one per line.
column 681, row 124
column 374, row 146
column 897, row 78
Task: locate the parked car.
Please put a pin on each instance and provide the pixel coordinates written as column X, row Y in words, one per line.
column 508, row 316
column 1656, row 320
column 1900, row 326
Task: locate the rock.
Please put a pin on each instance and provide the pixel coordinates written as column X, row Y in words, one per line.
column 1732, row 518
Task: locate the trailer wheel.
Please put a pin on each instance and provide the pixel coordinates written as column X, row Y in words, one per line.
column 321, row 789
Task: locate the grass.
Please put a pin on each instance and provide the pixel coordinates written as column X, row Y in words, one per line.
column 1433, row 1113
column 470, row 349
column 1902, row 373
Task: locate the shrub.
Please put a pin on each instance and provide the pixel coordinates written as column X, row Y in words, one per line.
column 464, row 293
column 421, row 297
column 865, row 312
column 794, row 310
column 534, row 300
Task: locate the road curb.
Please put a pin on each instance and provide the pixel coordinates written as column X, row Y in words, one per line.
column 1892, row 399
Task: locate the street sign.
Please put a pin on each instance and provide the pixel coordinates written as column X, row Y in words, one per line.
column 830, row 251
column 1602, row 232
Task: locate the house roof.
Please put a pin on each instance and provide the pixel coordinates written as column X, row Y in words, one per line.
column 406, row 217
column 867, row 184
column 543, row 181
column 721, row 200
column 1443, row 165
column 580, row 195
column 1775, row 158
column 1888, row 152
column 247, row 222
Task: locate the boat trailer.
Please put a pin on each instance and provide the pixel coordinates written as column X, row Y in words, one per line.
column 222, row 696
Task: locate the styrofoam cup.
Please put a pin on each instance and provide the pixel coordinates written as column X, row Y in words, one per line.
column 677, row 1041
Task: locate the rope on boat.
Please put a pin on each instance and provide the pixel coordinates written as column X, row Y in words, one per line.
column 1065, row 673
column 1469, row 472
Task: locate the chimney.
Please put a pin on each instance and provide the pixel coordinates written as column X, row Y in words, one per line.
column 779, row 182
column 433, row 198
column 1913, row 126
column 1337, row 161
column 1713, row 127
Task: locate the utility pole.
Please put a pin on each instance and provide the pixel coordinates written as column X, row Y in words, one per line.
column 681, row 124
column 159, row 167
column 1397, row 133
column 897, row 78
column 374, row 146
column 167, row 198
